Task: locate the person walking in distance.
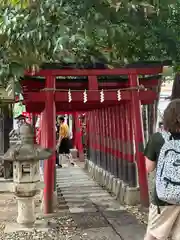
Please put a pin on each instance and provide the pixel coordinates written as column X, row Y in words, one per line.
column 160, row 129
column 63, row 144
column 163, row 155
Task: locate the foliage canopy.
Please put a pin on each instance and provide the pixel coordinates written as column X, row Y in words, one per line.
column 112, row 31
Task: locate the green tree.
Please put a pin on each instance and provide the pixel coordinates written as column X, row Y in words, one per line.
column 77, row 31
column 117, row 32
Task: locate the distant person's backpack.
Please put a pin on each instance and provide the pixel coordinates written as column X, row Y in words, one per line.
column 168, row 170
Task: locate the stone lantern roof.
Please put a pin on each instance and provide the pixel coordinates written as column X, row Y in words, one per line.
column 26, row 150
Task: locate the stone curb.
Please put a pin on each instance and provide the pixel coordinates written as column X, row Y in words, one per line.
column 124, row 193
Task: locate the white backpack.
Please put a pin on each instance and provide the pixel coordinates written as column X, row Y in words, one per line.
column 168, row 170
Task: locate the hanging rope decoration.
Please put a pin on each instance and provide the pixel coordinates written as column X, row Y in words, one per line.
column 140, row 88
column 119, row 95
column 85, row 96
column 102, row 96
column 69, row 96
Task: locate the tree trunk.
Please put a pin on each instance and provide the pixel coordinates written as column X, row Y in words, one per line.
column 6, row 125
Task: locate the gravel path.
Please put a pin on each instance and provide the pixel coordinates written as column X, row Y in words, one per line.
column 65, row 229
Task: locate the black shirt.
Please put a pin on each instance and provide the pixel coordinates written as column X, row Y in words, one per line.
column 152, row 152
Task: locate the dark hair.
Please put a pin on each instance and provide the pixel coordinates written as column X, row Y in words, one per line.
column 160, row 124
column 61, row 119
column 171, row 118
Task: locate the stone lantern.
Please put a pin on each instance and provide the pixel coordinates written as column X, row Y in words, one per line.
column 25, row 156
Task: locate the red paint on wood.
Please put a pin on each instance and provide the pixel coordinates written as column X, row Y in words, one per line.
column 107, row 139
column 92, row 83
column 95, row 72
column 36, row 85
column 50, row 121
column 100, row 135
column 129, row 121
column 139, row 141
column 90, row 132
column 97, row 145
column 111, row 159
column 103, row 137
column 78, row 136
column 70, row 108
column 113, row 136
column 37, row 100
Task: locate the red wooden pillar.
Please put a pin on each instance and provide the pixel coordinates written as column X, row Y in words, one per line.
column 103, row 140
column 94, row 136
column 33, row 122
column 106, row 139
column 100, row 136
column 110, row 139
column 139, row 140
column 130, row 152
column 93, row 85
column 76, row 130
column 78, row 137
column 132, row 176
column 73, row 130
column 92, row 140
column 90, row 136
column 114, row 141
column 50, row 121
column 87, row 135
column 119, row 119
column 116, row 136
column 80, row 145
column 125, row 142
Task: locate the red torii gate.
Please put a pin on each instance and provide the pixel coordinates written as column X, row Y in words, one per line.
column 45, row 93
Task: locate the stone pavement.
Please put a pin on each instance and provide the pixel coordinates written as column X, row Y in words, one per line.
column 85, row 212
column 94, row 211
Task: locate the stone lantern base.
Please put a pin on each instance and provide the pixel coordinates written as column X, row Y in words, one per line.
column 41, row 225
column 26, row 220
column 25, row 156
column 26, row 211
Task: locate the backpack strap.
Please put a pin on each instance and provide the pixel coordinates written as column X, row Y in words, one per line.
column 166, row 135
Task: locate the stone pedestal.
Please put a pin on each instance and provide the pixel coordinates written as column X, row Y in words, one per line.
column 26, row 211
column 25, row 156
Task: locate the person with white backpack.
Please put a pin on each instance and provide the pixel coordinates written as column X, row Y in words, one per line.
column 163, row 155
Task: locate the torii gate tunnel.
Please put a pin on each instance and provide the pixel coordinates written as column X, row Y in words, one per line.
column 112, row 100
